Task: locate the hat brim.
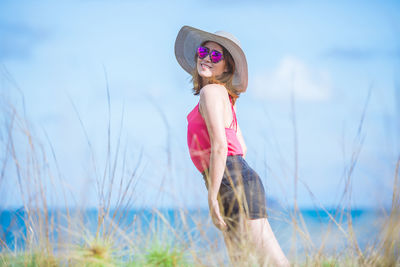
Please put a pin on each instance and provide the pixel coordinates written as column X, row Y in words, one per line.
column 190, row 38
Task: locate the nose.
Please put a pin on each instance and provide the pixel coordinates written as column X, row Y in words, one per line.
column 207, row 58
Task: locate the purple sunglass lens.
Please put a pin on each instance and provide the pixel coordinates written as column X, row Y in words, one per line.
column 216, row 56
column 202, row 52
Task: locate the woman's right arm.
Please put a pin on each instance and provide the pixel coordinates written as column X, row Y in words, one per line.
column 212, row 108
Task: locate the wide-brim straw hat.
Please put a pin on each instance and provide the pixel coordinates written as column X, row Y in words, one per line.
column 190, row 38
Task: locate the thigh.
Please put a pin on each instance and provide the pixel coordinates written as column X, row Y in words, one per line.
column 242, row 192
column 254, row 193
column 231, row 192
column 265, row 242
column 231, row 200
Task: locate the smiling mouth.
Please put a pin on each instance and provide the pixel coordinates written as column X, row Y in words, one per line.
column 205, row 66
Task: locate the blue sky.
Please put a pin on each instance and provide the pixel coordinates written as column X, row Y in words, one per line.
column 329, row 54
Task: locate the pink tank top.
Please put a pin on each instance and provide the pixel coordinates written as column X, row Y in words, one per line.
column 199, row 140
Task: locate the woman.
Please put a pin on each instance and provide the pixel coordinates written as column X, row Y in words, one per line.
column 236, row 195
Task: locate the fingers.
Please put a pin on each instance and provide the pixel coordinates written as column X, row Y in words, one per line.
column 221, row 225
column 216, row 215
column 218, row 220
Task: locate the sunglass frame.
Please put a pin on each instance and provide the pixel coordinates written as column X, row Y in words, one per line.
column 209, row 53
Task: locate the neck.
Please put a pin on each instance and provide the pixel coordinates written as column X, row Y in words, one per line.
column 211, row 80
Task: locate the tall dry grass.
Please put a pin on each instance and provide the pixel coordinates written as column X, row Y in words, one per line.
column 64, row 237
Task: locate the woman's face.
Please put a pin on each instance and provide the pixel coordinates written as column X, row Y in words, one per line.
column 206, row 68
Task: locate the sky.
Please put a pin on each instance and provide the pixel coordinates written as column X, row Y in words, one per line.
column 324, row 92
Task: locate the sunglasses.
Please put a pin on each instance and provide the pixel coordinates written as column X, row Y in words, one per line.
column 215, row 56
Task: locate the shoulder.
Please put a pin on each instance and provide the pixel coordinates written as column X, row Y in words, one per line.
column 212, row 98
column 213, row 90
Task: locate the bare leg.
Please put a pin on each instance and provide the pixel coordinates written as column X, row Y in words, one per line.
column 242, row 251
column 269, row 251
column 233, row 248
column 237, row 243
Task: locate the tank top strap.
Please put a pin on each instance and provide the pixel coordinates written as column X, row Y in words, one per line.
column 234, row 120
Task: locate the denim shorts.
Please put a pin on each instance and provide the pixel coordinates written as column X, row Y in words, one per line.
column 241, row 192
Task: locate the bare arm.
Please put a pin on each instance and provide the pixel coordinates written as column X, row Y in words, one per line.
column 212, row 108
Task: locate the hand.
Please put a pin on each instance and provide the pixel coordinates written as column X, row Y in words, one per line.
column 216, row 214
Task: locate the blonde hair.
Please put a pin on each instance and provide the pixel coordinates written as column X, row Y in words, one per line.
column 224, row 79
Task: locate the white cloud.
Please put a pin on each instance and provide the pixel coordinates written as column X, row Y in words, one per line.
column 293, row 75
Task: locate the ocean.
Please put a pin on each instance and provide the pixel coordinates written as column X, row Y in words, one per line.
column 304, row 232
